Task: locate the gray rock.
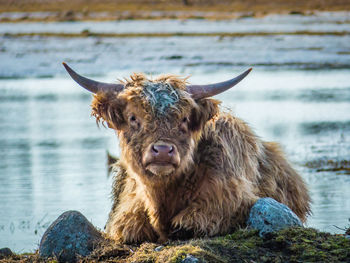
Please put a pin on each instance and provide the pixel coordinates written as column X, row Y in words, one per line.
column 160, row 248
column 5, row 252
column 190, row 259
column 71, row 234
column 267, row 215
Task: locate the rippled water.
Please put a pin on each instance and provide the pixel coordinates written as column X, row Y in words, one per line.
column 53, row 156
column 320, row 22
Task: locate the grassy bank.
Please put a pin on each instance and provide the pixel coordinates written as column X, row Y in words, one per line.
column 291, row 245
column 70, row 10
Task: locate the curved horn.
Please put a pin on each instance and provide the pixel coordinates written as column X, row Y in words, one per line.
column 92, row 85
column 205, row 91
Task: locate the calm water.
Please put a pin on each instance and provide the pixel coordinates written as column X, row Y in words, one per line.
column 53, row 156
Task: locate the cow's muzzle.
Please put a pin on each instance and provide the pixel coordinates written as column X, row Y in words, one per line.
column 161, row 158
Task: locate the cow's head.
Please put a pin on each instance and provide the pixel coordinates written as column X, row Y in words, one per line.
column 159, row 122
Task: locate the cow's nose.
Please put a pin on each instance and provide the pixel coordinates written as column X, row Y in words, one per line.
column 162, row 151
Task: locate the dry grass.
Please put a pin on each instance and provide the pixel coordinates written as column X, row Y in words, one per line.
column 145, row 9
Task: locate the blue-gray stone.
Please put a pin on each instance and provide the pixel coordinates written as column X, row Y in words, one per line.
column 71, row 234
column 267, row 215
column 190, row 259
column 160, row 248
column 5, row 252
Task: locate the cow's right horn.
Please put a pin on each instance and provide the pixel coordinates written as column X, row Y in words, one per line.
column 209, row 90
column 92, row 85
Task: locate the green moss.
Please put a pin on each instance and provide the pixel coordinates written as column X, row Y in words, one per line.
column 289, row 245
column 180, row 253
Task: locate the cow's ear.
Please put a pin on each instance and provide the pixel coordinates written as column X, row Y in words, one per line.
column 107, row 107
column 206, row 109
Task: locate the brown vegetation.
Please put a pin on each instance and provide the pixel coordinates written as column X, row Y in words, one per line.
column 148, row 9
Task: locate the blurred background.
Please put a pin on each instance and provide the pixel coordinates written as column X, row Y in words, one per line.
column 52, row 154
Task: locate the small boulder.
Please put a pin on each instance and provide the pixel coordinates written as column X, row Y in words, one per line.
column 190, row 259
column 160, row 248
column 71, row 234
column 267, row 215
column 5, row 252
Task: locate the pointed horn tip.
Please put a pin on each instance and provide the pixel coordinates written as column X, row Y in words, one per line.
column 245, row 73
column 65, row 65
column 248, row 71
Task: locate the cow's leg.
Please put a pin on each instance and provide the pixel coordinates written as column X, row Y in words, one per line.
column 220, row 206
column 128, row 220
column 130, row 225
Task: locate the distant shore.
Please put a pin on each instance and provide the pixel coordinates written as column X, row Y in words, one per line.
column 104, row 10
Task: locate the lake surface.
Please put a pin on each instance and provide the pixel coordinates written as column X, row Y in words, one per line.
column 53, row 156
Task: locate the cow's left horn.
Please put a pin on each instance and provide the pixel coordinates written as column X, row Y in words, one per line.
column 205, row 91
column 92, row 85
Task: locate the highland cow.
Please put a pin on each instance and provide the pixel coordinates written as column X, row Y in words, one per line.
column 186, row 168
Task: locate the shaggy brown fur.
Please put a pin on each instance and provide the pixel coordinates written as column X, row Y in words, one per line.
column 224, row 167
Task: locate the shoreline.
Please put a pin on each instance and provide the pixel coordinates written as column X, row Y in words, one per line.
column 107, row 10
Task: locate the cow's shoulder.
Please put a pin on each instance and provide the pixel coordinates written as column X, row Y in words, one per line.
column 224, row 129
column 225, row 138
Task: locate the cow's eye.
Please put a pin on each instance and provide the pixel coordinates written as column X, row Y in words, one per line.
column 133, row 122
column 184, row 125
column 132, row 118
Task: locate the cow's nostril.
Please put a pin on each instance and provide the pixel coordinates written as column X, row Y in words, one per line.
column 154, row 149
